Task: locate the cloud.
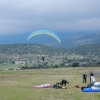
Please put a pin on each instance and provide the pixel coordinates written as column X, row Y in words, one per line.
column 25, row 16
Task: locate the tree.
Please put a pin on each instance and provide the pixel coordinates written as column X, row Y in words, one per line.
column 62, row 64
column 56, row 66
column 13, row 62
column 76, row 64
column 98, row 63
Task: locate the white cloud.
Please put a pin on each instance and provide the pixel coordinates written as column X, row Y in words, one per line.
column 23, row 16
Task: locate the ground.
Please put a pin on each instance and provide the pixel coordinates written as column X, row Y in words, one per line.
column 18, row 85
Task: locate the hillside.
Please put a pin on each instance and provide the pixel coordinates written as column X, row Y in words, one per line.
column 31, row 56
column 22, row 49
column 76, row 41
column 87, row 50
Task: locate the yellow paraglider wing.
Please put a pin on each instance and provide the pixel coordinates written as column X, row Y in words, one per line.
column 50, row 33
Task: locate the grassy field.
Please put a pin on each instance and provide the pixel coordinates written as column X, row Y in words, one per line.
column 18, row 85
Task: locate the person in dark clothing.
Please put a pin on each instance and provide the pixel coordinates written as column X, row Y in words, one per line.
column 91, row 74
column 63, row 83
column 84, row 78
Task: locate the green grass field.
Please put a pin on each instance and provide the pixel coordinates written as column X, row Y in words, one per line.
column 18, row 85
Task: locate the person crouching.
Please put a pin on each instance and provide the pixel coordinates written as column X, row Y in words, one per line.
column 63, row 83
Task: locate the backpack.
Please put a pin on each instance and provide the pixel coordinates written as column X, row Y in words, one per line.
column 89, row 85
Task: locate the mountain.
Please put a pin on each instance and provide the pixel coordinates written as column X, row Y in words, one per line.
column 68, row 40
column 76, row 41
column 24, row 49
column 87, row 50
column 39, row 39
column 38, row 49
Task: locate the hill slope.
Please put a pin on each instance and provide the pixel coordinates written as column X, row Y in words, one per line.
column 76, row 41
column 33, row 53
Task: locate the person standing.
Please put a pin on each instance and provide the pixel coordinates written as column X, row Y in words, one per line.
column 92, row 78
column 84, row 78
column 91, row 74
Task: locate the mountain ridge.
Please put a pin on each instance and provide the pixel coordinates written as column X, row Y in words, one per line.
column 76, row 41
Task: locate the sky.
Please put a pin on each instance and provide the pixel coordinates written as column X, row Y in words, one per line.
column 60, row 16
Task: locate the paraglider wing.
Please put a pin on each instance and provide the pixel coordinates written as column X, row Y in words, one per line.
column 44, row 32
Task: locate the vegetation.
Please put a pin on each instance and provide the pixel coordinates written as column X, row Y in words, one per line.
column 29, row 56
